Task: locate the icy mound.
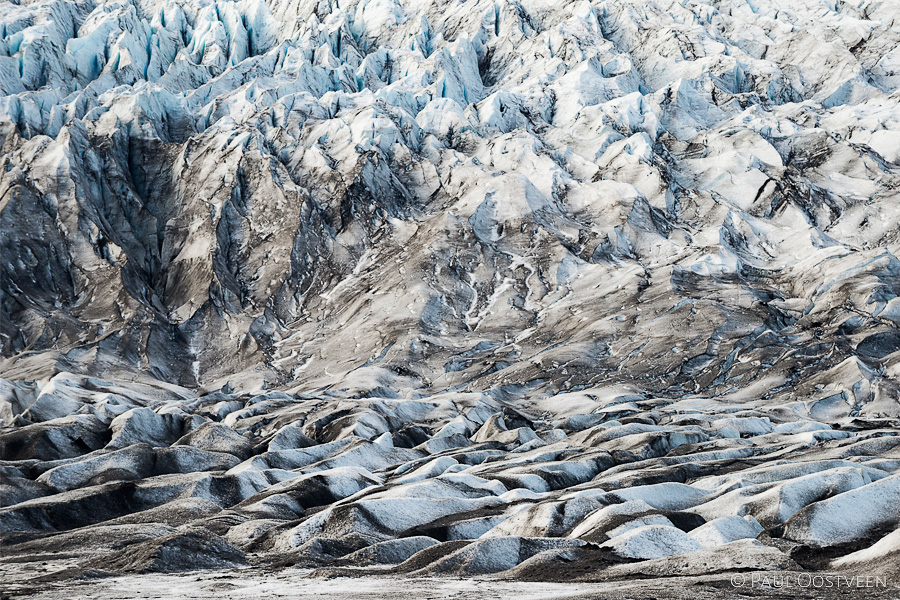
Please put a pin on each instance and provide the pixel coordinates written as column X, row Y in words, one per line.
column 450, row 287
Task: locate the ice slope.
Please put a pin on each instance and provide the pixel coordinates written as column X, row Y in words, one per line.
column 260, row 194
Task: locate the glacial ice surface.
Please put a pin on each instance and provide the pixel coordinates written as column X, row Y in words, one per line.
column 452, row 287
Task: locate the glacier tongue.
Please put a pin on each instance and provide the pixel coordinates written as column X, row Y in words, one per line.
column 559, row 245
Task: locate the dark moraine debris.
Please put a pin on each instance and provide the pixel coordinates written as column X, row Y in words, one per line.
column 186, row 550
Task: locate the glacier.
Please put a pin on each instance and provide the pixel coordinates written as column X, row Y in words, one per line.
column 482, row 288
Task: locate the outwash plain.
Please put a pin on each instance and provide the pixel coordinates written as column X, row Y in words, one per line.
column 450, row 299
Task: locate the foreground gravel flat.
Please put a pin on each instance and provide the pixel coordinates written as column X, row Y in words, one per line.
column 247, row 585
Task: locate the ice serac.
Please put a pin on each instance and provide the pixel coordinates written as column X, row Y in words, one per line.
column 450, row 286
